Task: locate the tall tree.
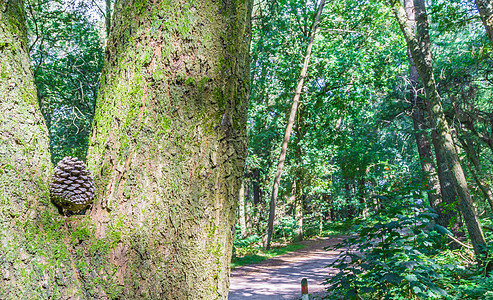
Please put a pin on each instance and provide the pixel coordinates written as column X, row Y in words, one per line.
column 419, row 43
column 289, row 127
column 442, row 194
column 485, row 8
column 168, row 148
column 419, row 120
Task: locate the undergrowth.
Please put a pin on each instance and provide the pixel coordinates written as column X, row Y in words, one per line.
column 400, row 253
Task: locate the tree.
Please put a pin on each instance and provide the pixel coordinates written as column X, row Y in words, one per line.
column 442, row 192
column 67, row 57
column 289, row 127
column 168, row 148
column 419, row 45
column 35, row 259
column 485, row 8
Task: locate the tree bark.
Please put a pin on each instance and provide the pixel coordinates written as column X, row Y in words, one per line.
column 289, row 127
column 299, row 180
column 361, row 197
column 448, row 190
column 107, row 17
column 473, row 157
column 167, row 151
column 442, row 194
column 425, row 154
column 256, row 187
column 242, row 215
column 419, row 121
column 35, row 261
column 298, row 207
column 485, row 8
column 419, row 44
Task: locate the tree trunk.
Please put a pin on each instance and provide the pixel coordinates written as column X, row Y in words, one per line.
column 248, row 208
column 299, row 181
column 361, row 197
column 419, row 44
column 167, row 151
column 419, row 121
column 485, row 8
column 425, row 154
column 448, row 190
column 256, row 187
column 442, row 191
column 107, row 16
column 35, row 260
column 298, row 208
column 242, row 215
column 473, row 157
column 289, row 127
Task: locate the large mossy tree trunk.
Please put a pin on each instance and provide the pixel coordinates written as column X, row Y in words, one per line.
column 34, row 248
column 168, row 150
column 419, row 43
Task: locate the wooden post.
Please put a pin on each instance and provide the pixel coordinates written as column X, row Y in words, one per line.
column 304, row 289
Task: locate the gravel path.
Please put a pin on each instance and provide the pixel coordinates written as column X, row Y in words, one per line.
column 280, row 277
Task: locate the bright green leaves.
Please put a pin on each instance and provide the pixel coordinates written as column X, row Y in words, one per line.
column 67, row 57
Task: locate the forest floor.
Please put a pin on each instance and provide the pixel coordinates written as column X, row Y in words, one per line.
column 280, row 277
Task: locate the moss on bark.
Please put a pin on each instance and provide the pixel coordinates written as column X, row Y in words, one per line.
column 35, row 260
column 168, row 147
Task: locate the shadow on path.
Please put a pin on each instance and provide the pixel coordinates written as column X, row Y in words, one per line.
column 280, row 277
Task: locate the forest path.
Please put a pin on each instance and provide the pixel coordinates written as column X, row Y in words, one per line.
column 280, row 277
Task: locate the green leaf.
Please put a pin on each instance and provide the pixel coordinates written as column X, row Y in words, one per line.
column 417, row 289
column 409, row 264
column 411, row 278
column 442, row 230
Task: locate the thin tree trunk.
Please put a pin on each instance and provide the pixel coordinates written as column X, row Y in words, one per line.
column 107, row 17
column 242, row 215
column 361, row 197
column 473, row 157
column 299, row 180
column 289, row 127
column 419, row 44
column 485, row 8
column 298, row 208
column 248, row 208
column 167, row 151
column 256, row 187
column 419, row 121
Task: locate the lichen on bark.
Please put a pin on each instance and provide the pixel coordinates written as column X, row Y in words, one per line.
column 34, row 258
column 168, row 145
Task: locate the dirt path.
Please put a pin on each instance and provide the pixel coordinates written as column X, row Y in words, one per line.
column 280, row 277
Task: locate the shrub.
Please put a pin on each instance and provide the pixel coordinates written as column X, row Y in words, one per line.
column 390, row 255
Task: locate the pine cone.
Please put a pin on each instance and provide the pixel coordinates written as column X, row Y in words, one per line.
column 72, row 187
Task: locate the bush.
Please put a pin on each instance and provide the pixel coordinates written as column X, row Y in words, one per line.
column 285, row 230
column 390, row 256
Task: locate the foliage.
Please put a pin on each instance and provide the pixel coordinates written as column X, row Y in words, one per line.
column 66, row 49
column 285, row 229
column 352, row 152
column 390, row 256
column 473, row 287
